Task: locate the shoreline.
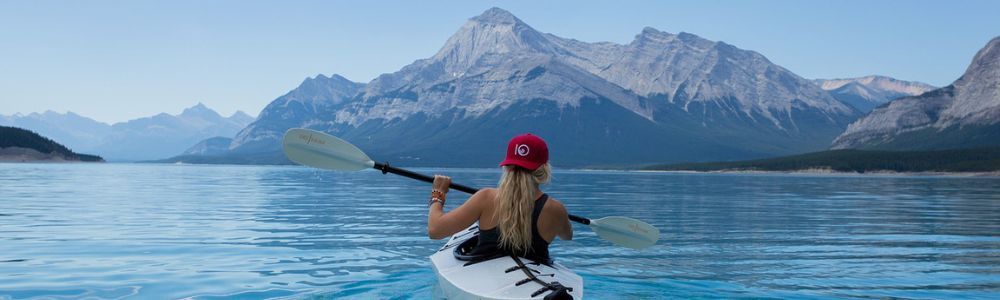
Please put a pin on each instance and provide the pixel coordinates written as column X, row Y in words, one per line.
column 27, row 155
column 831, row 172
column 814, row 172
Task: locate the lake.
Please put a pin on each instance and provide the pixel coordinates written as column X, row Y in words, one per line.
column 206, row 232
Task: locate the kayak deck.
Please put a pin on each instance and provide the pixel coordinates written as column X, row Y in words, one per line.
column 497, row 277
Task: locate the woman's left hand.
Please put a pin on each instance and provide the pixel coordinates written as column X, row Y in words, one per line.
column 441, row 183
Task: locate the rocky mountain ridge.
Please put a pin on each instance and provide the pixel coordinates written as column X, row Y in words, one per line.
column 963, row 114
column 672, row 97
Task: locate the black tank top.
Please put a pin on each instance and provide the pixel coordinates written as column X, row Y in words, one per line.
column 489, row 240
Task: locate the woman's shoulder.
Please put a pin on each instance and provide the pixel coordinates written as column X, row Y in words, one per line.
column 486, row 192
column 554, row 206
column 485, row 195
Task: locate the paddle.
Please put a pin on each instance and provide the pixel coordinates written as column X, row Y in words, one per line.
column 317, row 149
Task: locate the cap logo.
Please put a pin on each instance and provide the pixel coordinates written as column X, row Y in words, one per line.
column 523, row 150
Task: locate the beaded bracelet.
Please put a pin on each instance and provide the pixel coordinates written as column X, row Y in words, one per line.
column 438, row 194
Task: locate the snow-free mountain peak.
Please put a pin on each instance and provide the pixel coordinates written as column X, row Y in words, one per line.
column 315, row 98
column 865, row 93
column 241, row 117
column 651, row 31
column 323, row 90
column 200, row 111
column 912, row 88
column 484, row 38
column 496, row 15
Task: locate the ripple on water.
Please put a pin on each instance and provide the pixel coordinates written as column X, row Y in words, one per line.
column 164, row 231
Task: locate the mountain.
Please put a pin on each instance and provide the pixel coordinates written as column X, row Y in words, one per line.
column 964, row 114
column 22, row 145
column 303, row 106
column 865, row 93
column 662, row 97
column 159, row 136
column 76, row 132
column 164, row 135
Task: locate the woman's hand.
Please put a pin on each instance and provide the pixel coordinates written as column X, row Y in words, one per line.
column 441, row 183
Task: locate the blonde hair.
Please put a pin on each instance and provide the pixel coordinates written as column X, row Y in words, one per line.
column 515, row 202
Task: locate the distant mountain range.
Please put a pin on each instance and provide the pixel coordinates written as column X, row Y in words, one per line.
column 865, row 93
column 154, row 137
column 961, row 115
column 661, row 98
column 75, row 131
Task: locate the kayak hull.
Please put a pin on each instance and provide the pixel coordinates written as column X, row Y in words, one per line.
column 497, row 277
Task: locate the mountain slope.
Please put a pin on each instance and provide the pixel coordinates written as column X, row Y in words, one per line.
column 685, row 68
column 963, row 114
column 865, row 93
column 210, row 147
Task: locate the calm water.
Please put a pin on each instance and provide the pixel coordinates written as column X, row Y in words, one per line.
column 165, row 231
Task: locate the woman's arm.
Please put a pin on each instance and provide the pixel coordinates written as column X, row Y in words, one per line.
column 441, row 224
column 566, row 233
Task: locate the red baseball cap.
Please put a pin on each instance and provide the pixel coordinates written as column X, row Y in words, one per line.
column 526, row 151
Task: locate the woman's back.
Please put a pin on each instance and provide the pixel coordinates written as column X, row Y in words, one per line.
column 516, row 216
column 544, row 228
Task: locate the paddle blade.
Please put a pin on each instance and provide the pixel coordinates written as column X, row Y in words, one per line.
column 320, row 150
column 626, row 232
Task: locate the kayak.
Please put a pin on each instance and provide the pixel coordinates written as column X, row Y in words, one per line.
column 464, row 276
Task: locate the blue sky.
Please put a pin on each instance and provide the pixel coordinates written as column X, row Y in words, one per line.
column 119, row 60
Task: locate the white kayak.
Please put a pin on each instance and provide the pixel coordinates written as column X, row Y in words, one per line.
column 461, row 276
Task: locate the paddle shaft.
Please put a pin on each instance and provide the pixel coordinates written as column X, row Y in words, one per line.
column 386, row 168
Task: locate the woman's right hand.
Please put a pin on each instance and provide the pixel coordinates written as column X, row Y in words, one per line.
column 441, row 183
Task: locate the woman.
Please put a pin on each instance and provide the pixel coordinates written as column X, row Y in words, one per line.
column 516, row 217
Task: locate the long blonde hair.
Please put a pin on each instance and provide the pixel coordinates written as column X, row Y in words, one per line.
column 515, row 202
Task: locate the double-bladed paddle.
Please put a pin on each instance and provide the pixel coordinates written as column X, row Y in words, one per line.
column 320, row 150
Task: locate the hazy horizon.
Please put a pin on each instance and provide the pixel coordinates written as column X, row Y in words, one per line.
column 116, row 61
column 175, row 113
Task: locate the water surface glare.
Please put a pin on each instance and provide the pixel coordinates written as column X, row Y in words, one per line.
column 205, row 232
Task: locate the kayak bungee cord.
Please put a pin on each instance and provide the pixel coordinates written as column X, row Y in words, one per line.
column 558, row 290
